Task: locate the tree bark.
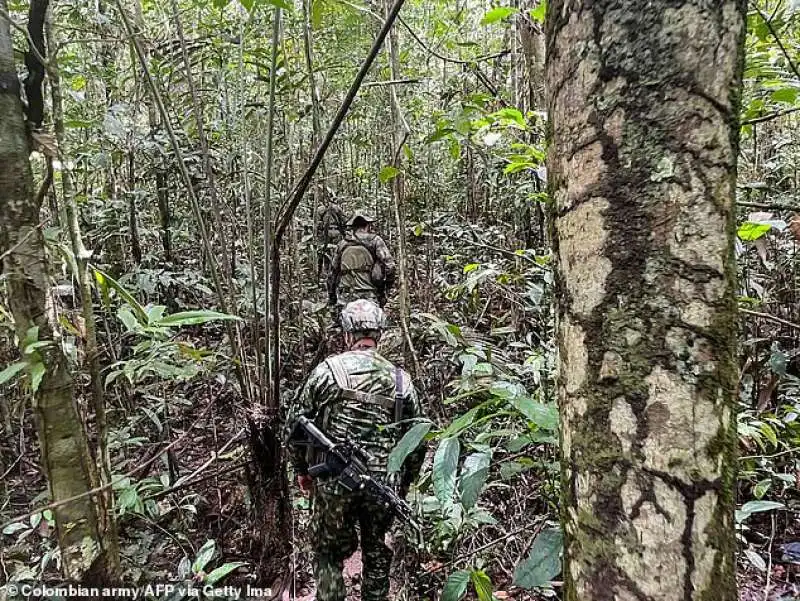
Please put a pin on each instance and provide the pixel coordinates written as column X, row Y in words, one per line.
column 643, row 101
column 66, row 461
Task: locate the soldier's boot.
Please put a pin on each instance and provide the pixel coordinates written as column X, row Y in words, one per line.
column 329, row 578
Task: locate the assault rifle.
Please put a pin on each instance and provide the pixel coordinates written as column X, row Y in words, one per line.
column 348, row 464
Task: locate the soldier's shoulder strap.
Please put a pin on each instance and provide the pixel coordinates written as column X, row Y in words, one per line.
column 343, row 382
column 399, row 393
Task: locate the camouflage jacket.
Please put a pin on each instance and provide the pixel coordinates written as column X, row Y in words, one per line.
column 329, row 224
column 362, row 411
column 353, row 269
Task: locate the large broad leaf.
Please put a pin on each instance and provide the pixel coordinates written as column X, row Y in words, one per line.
column 543, row 563
column 105, row 281
column 204, row 555
column 406, row 446
column 456, row 586
column 544, row 416
column 497, row 14
column 752, row 507
column 482, row 584
column 188, row 318
column 473, row 477
column 445, row 462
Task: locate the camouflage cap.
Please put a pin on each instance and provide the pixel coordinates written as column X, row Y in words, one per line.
column 362, row 315
column 361, row 215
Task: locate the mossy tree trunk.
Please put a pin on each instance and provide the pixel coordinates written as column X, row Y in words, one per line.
column 66, row 460
column 643, row 100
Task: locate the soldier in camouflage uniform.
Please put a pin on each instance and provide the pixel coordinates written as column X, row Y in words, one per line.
column 329, row 230
column 362, row 266
column 359, row 396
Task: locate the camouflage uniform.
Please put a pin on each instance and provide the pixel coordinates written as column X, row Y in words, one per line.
column 353, row 396
column 329, row 230
column 353, row 269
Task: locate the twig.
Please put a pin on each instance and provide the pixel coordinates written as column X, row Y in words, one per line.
column 775, row 206
column 771, row 116
column 108, row 485
column 214, row 456
column 771, row 318
column 391, row 82
column 449, row 59
column 185, row 482
column 11, row 467
column 778, row 454
column 24, row 238
column 769, row 560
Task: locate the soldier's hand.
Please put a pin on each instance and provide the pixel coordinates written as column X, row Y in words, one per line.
column 305, row 482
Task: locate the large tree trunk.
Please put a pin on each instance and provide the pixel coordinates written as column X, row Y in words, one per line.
column 66, row 461
column 643, row 100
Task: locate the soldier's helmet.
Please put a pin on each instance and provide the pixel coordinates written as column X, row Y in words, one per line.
column 361, row 216
column 362, row 316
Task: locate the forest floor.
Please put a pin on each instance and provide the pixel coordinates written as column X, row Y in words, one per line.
column 213, row 506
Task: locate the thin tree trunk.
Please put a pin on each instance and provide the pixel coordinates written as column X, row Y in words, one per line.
column 105, row 499
column 643, row 235
column 66, row 461
column 400, row 134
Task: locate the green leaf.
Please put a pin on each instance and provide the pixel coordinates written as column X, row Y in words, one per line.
column 129, row 320
column 406, row 446
column 154, row 313
column 509, row 469
column 11, row 371
column 544, row 416
column 777, row 362
column 538, row 13
column 455, row 149
column 752, row 507
column 14, row 528
column 107, row 280
column 188, row 318
column 445, row 462
column 473, row 477
column 513, row 115
column 788, row 95
column 219, row 573
column 280, row 4
column 317, row 7
column 498, row 14
column 204, row 555
column 543, row 563
column 482, row 584
column 749, row 231
column 456, row 586
column 37, row 373
column 387, row 174
column 439, row 134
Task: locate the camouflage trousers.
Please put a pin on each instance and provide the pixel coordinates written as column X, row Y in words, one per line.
column 335, row 516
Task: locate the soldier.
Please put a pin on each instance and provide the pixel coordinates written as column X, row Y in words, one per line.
column 362, row 266
column 358, row 396
column 329, row 230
